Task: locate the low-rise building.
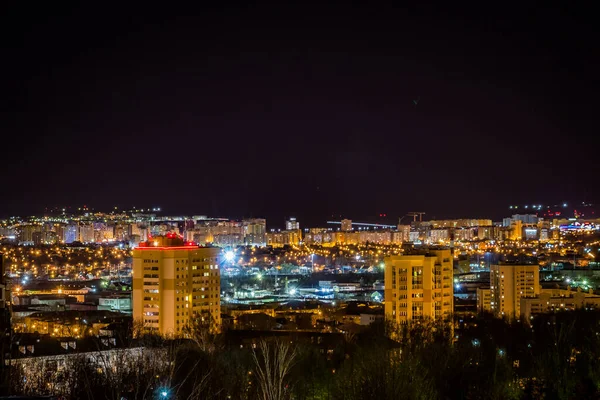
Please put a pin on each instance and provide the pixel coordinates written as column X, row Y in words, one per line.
column 557, row 300
column 368, row 319
column 484, row 300
column 115, row 303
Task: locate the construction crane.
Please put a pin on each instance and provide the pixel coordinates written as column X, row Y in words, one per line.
column 413, row 214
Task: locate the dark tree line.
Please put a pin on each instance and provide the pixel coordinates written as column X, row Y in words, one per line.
column 554, row 356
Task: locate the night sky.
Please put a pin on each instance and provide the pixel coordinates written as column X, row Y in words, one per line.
column 271, row 111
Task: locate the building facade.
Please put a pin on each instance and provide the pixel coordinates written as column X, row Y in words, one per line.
column 508, row 284
column 255, row 231
column 404, row 232
column 280, row 239
column 346, row 225
column 292, row 224
column 419, row 286
column 558, row 300
column 175, row 285
column 484, row 298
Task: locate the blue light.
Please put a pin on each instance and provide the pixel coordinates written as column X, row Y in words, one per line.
column 229, row 256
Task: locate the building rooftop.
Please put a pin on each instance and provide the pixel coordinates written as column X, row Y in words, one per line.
column 45, row 285
column 170, row 241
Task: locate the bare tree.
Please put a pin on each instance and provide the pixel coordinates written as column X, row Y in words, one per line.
column 272, row 366
column 198, row 386
column 203, row 332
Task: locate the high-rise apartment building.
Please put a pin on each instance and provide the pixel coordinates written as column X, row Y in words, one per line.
column 458, row 223
column 255, row 231
column 404, row 231
column 121, row 232
column 508, row 284
column 26, row 233
column 292, row 224
column 438, row 235
column 218, row 232
column 3, row 294
column 524, row 218
column 69, row 233
column 516, row 230
column 175, row 284
column 136, row 230
column 280, row 239
column 103, row 232
column 5, row 323
column 419, row 286
column 86, row 233
column 346, row 225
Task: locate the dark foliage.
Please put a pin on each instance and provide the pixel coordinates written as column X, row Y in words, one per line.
column 555, row 356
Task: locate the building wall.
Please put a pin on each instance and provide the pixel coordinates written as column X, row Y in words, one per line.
column 368, row 319
column 115, row 303
column 419, row 286
column 174, row 286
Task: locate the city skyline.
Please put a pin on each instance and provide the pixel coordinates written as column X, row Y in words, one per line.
column 566, row 209
column 271, row 200
column 271, row 110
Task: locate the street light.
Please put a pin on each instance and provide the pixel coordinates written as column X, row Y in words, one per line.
column 229, row 256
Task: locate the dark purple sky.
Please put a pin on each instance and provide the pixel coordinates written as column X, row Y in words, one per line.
column 277, row 110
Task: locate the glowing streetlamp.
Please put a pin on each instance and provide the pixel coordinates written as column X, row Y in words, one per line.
column 229, row 256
